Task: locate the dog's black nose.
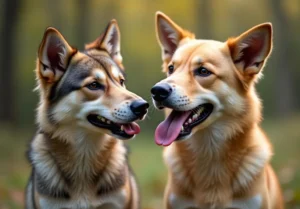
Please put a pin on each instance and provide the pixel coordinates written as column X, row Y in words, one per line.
column 139, row 107
column 160, row 92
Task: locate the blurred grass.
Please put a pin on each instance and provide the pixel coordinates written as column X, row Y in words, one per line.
column 146, row 160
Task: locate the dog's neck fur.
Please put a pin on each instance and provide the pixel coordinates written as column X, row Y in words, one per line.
column 86, row 157
column 202, row 161
column 90, row 160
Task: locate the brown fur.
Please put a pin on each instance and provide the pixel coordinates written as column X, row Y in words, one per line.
column 227, row 156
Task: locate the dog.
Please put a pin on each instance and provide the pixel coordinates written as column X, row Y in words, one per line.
column 77, row 160
column 215, row 151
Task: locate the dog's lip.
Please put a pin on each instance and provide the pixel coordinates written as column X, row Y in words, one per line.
column 202, row 115
column 125, row 130
column 180, row 123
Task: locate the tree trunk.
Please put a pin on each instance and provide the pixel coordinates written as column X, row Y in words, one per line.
column 7, row 72
column 83, row 22
column 283, row 79
column 56, row 14
column 204, row 11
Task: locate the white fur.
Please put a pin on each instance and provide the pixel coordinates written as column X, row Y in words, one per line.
column 96, row 107
column 177, row 202
column 115, row 200
column 115, row 71
column 100, row 75
column 45, row 165
column 233, row 101
column 253, row 202
column 118, row 57
column 69, row 110
column 206, row 97
column 65, row 109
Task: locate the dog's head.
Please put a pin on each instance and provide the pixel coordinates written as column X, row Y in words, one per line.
column 86, row 89
column 206, row 79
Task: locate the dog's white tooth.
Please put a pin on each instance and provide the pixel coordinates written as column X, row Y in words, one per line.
column 102, row 119
column 186, row 123
column 182, row 129
column 190, row 120
column 108, row 122
column 122, row 128
column 99, row 117
column 194, row 117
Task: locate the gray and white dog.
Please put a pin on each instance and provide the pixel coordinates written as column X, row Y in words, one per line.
column 77, row 161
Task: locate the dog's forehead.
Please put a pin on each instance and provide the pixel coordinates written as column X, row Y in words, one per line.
column 80, row 67
column 99, row 74
column 198, row 51
column 98, row 64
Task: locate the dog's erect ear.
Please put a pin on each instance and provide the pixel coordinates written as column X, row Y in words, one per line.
column 110, row 41
column 169, row 34
column 250, row 50
column 54, row 54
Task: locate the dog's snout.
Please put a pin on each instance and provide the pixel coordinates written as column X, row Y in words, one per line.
column 139, row 107
column 160, row 92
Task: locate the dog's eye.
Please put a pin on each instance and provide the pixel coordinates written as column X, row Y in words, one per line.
column 95, row 86
column 122, row 82
column 171, row 69
column 202, row 71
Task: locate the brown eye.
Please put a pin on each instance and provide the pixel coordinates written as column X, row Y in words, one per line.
column 122, row 82
column 95, row 86
column 171, row 69
column 202, row 71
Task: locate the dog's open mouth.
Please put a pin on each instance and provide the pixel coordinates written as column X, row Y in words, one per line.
column 127, row 130
column 179, row 124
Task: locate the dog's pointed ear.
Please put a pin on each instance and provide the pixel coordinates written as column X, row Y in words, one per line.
column 54, row 54
column 250, row 50
column 109, row 41
column 169, row 34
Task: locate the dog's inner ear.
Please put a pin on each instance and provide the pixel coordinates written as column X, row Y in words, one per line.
column 109, row 41
column 54, row 54
column 169, row 35
column 250, row 50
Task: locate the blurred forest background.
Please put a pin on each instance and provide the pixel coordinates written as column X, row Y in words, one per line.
column 23, row 23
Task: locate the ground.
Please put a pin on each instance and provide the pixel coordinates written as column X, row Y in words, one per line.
column 146, row 160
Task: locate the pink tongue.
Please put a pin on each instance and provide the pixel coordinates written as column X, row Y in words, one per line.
column 132, row 128
column 168, row 130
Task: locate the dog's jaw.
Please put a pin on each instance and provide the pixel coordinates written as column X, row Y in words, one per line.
column 206, row 106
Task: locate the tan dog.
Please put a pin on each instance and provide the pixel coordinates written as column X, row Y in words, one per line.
column 76, row 157
column 217, row 154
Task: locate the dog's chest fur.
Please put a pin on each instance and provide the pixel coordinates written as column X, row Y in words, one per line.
column 78, row 174
column 253, row 202
column 210, row 171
